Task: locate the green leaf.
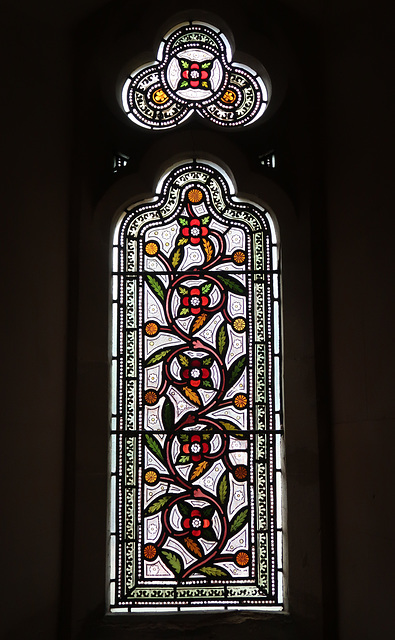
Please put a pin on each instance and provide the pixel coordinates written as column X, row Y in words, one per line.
column 206, row 287
column 221, row 339
column 183, row 459
column 184, row 311
column 173, row 561
column 168, row 415
column 184, row 509
column 158, row 504
column 207, row 361
column 184, row 437
column 183, row 221
column 154, row 445
column 207, row 512
column 156, row 286
column 206, row 436
column 206, row 64
column 183, row 291
column 184, row 84
column 183, row 359
column 232, row 427
column 184, row 63
column 236, row 370
column 223, row 489
column 238, row 521
column 208, row 534
column 233, row 285
column 213, row 571
column 158, row 357
column 205, row 221
column 207, row 384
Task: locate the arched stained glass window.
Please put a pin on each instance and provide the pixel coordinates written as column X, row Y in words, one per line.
column 197, row 417
column 194, row 72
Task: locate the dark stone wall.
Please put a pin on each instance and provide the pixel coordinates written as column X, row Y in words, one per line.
column 332, row 129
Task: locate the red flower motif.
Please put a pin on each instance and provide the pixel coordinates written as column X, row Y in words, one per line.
column 195, row 373
column 196, row 447
column 195, row 231
column 196, row 523
column 195, row 300
column 195, row 75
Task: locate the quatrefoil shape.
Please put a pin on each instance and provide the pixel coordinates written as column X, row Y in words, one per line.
column 194, row 72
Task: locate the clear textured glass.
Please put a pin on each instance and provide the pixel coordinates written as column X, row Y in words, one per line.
column 193, row 388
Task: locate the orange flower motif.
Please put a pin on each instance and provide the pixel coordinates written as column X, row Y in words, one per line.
column 149, row 551
column 151, row 329
column 151, row 476
column 240, row 401
column 239, row 324
column 195, row 195
column 151, row 248
column 239, row 257
column 242, row 558
column 151, row 397
column 240, row 472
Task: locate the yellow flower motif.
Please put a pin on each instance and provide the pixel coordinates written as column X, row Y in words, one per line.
column 240, row 401
column 239, row 324
column 195, row 195
column 159, row 96
column 239, row 257
column 151, row 248
column 151, row 476
column 151, row 329
column 149, row 551
column 151, row 397
column 242, row 558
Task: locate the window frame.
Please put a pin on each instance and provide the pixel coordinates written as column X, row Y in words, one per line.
column 264, row 275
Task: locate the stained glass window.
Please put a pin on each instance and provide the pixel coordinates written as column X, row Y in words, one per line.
column 196, row 406
column 194, row 72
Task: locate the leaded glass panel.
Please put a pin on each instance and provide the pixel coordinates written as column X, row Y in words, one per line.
column 197, row 418
column 194, row 72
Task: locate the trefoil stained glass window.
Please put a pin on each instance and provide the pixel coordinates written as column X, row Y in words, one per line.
column 194, row 72
column 196, row 405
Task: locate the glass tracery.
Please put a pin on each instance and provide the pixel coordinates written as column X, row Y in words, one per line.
column 194, row 72
column 197, row 418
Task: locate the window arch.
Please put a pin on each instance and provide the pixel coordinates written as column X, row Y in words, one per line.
column 196, row 400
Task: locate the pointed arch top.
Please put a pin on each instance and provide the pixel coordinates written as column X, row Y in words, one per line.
column 197, row 411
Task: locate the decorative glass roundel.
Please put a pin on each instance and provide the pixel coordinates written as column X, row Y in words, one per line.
column 194, row 72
